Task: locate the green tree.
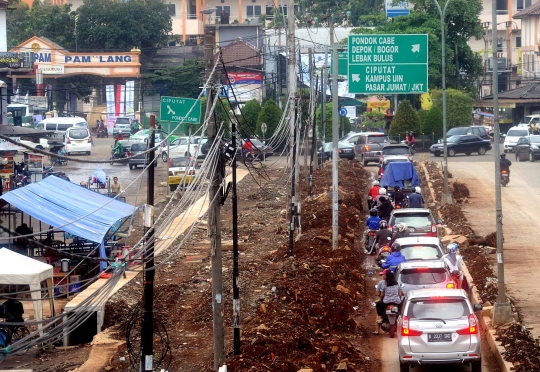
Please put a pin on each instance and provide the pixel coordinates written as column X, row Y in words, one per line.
column 344, row 123
column 433, row 122
column 459, row 107
column 251, row 112
column 271, row 115
column 55, row 22
column 405, row 120
column 223, row 111
column 177, row 81
column 119, row 25
column 462, row 23
column 421, row 117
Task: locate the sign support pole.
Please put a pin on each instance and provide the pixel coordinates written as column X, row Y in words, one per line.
column 335, row 135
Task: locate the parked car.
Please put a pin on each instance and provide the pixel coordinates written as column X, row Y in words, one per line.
column 478, row 130
column 513, row 135
column 345, row 150
column 182, row 171
column 395, row 150
column 41, row 145
column 423, row 274
column 462, row 144
column 77, row 139
column 369, row 145
column 139, row 151
column 57, row 127
column 179, row 147
column 439, row 326
column 528, row 148
column 421, row 248
column 419, row 221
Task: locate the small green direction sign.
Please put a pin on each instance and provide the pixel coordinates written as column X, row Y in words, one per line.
column 343, row 63
column 388, row 64
column 177, row 108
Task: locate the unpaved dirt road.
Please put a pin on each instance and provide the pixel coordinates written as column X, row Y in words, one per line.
column 521, row 220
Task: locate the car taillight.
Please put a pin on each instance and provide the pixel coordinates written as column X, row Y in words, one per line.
column 504, row 171
column 450, row 285
column 170, row 162
column 68, row 140
column 405, row 331
column 340, row 151
column 371, row 233
column 431, row 234
column 472, row 329
column 171, row 173
column 410, row 157
column 389, row 227
column 89, row 139
column 366, row 148
column 398, row 206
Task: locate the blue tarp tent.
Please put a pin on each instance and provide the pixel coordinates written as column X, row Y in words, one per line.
column 70, row 207
column 396, row 173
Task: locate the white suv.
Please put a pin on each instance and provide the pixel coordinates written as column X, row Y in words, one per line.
column 513, row 135
column 438, row 326
column 77, row 139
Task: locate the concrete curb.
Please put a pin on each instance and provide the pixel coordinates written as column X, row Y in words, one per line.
column 485, row 318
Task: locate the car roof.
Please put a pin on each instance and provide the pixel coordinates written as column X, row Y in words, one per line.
column 396, row 157
column 411, row 210
column 437, row 292
column 419, row 240
column 62, row 120
column 432, row 264
column 397, row 145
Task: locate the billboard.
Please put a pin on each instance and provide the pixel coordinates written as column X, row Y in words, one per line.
column 245, row 86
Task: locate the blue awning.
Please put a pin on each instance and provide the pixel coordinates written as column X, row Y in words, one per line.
column 59, row 202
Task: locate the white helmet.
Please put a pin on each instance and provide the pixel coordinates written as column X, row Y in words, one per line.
column 120, row 131
column 401, row 227
column 418, row 190
column 382, row 191
column 375, row 183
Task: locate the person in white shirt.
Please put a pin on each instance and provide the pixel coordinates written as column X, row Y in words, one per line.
column 454, row 261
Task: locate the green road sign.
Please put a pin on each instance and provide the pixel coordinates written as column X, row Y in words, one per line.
column 343, row 63
column 176, row 109
column 388, row 64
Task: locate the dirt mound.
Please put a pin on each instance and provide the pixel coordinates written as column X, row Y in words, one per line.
column 460, row 190
column 491, row 239
column 308, row 317
column 480, row 269
column 521, row 348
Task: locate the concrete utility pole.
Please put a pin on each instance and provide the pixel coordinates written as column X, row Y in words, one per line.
column 323, row 105
column 446, row 198
column 502, row 312
column 214, row 212
column 291, row 82
column 335, row 135
column 312, row 103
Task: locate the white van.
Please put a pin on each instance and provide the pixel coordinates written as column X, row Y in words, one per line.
column 77, row 139
column 529, row 119
column 59, row 127
column 513, row 135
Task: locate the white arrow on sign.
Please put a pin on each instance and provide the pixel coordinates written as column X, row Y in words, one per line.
column 416, row 48
column 356, row 78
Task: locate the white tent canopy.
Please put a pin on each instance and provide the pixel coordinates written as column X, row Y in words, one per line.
column 18, row 269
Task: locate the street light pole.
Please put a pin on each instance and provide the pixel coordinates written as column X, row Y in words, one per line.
column 502, row 312
column 446, row 197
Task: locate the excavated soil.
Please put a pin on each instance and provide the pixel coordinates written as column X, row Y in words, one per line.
column 521, row 348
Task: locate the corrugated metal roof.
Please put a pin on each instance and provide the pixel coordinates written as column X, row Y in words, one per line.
column 531, row 10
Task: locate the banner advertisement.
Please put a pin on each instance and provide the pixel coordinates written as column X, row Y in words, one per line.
column 117, row 100
column 395, row 9
column 109, row 89
column 245, row 85
column 130, row 98
column 122, row 100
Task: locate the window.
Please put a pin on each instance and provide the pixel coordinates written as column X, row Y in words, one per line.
column 269, row 12
column 502, row 6
column 172, row 9
column 519, row 5
column 438, row 308
column 421, row 252
column 221, row 8
column 423, row 277
column 518, row 41
column 50, row 126
column 63, row 127
column 283, row 9
column 253, row 10
column 78, row 133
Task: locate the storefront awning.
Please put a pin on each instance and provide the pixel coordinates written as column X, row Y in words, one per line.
column 85, row 213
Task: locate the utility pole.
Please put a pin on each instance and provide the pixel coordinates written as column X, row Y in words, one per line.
column 309, row 120
column 147, row 327
column 323, row 107
column 313, row 137
column 214, row 211
column 236, row 272
column 291, row 77
column 335, row 135
column 502, row 312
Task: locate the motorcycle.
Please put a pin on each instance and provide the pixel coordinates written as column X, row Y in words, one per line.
column 384, row 252
column 369, row 244
column 389, row 320
column 411, row 145
column 102, row 133
column 122, row 159
column 505, row 177
column 456, row 278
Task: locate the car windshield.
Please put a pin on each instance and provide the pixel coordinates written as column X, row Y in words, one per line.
column 413, row 219
column 422, row 276
column 181, row 162
column 420, row 252
column 81, row 124
column 457, row 131
column 122, row 120
column 441, row 308
column 256, row 143
column 453, row 139
column 517, row 133
column 139, row 147
column 377, row 139
column 78, row 133
column 396, row 160
column 141, row 133
column 396, row 150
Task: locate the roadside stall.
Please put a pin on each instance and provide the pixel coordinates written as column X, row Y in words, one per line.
column 86, row 221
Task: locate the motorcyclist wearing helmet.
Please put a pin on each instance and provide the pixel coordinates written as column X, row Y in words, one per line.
column 394, row 259
column 120, row 135
column 373, row 193
column 505, row 164
column 416, row 200
column 372, row 222
column 384, row 235
column 401, row 232
column 399, row 197
column 454, row 262
column 382, row 195
column 385, row 209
